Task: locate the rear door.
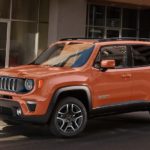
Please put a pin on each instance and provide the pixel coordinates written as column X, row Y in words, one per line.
column 141, row 72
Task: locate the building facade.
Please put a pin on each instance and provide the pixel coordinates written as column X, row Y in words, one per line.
column 28, row 26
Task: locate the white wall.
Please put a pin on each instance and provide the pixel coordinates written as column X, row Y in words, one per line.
column 67, row 19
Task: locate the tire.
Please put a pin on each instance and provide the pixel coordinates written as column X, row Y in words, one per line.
column 69, row 118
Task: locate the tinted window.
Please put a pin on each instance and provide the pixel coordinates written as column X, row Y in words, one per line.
column 141, row 55
column 117, row 53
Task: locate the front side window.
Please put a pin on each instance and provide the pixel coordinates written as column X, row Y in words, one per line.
column 66, row 55
column 117, row 53
column 141, row 55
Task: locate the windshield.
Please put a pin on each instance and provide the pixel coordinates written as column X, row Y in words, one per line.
column 66, row 55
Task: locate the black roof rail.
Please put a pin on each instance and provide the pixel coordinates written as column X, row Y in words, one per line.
column 81, row 38
column 107, row 39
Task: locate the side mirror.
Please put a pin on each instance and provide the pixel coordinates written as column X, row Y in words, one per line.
column 108, row 64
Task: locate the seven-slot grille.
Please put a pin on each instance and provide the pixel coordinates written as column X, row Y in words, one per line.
column 8, row 84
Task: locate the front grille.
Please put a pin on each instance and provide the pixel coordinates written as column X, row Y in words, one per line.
column 11, row 84
column 8, row 84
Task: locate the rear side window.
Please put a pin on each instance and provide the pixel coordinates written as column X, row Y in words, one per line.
column 141, row 55
column 117, row 53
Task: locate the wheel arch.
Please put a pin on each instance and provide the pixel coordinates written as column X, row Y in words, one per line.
column 72, row 91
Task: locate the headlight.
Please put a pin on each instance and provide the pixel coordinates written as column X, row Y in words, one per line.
column 29, row 84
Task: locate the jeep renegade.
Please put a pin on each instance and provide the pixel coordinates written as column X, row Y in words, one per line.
column 76, row 79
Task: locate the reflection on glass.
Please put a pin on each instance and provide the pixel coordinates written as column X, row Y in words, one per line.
column 23, row 43
column 96, row 32
column 129, row 18
column 4, row 8
column 65, row 55
column 113, row 17
column 3, row 32
column 25, row 9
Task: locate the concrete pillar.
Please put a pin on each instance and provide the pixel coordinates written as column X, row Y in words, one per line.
column 53, row 21
column 67, row 19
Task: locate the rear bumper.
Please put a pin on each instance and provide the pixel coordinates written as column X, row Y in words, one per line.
column 8, row 111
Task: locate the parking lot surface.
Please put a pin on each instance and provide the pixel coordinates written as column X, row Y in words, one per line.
column 121, row 132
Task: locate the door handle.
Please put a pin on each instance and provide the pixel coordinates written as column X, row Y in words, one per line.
column 126, row 76
column 129, row 75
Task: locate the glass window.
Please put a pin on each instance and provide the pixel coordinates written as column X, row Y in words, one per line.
column 129, row 18
column 113, row 17
column 25, row 9
column 141, row 55
column 144, row 33
column 116, row 25
column 144, row 19
column 144, row 23
column 4, row 9
column 117, row 53
column 23, row 43
column 112, row 33
column 97, row 15
column 29, row 37
column 96, row 32
column 90, row 19
column 129, row 33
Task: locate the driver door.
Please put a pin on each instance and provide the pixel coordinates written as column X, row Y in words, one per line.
column 112, row 86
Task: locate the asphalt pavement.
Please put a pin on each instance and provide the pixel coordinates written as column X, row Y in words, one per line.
column 121, row 132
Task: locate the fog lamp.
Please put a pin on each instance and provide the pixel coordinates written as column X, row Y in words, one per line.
column 19, row 112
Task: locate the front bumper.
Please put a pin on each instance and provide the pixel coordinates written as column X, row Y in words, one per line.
column 8, row 111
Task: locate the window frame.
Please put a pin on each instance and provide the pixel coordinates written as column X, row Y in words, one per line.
column 128, row 61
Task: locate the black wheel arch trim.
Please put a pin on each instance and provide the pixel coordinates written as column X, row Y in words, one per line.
column 59, row 91
column 74, row 88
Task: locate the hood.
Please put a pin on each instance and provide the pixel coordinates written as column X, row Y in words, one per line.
column 34, row 71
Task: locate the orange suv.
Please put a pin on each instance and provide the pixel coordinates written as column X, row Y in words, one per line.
column 76, row 79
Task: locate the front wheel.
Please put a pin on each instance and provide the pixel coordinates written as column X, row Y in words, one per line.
column 69, row 118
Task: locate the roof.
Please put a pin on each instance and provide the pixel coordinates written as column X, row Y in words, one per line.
column 110, row 40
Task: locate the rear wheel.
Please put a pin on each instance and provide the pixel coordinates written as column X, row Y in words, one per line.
column 69, row 118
